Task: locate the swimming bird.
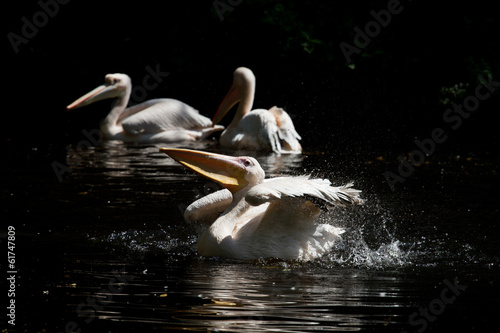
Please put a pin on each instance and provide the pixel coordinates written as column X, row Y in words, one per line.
column 255, row 217
column 157, row 120
column 259, row 129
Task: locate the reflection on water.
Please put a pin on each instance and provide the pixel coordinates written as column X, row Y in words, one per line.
column 218, row 295
column 222, row 295
column 129, row 201
column 277, row 297
column 115, row 159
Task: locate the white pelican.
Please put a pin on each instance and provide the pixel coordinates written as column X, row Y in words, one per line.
column 260, row 218
column 259, row 129
column 156, row 120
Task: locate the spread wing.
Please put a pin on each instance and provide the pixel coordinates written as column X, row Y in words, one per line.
column 288, row 227
column 158, row 115
column 282, row 187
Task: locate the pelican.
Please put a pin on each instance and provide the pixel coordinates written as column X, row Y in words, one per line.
column 259, row 129
column 254, row 217
column 156, row 120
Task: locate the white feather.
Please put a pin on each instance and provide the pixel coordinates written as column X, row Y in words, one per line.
column 160, row 115
column 208, row 208
column 276, row 188
column 277, row 220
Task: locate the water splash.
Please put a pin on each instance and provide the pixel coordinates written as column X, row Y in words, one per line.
column 148, row 241
column 357, row 253
column 370, row 240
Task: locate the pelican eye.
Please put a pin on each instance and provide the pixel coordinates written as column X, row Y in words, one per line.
column 111, row 81
column 247, row 163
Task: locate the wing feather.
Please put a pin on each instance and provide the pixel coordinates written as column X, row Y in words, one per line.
column 286, row 131
column 277, row 188
column 272, row 129
column 158, row 115
column 257, row 130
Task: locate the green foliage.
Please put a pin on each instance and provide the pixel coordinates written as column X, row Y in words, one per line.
column 300, row 33
column 453, row 94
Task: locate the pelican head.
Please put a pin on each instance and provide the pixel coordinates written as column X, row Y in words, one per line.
column 242, row 90
column 115, row 85
column 234, row 173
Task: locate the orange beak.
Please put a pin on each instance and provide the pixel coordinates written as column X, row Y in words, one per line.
column 226, row 170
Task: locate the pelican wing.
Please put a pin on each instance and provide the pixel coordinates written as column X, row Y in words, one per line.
column 158, row 115
column 286, row 131
column 257, row 130
column 288, row 227
column 272, row 129
column 281, row 187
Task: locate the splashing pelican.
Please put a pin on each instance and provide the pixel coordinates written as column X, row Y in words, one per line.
column 259, row 129
column 157, row 120
column 260, row 218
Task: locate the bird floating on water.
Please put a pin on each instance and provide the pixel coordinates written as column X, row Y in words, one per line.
column 254, row 217
column 157, row 120
column 259, row 129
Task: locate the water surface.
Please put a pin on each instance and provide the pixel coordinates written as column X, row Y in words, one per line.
column 107, row 250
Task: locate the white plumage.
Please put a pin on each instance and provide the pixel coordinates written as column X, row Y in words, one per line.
column 277, row 188
column 261, row 218
column 162, row 114
column 259, row 129
column 156, row 120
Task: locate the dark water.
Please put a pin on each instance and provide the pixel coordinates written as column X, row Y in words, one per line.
column 106, row 248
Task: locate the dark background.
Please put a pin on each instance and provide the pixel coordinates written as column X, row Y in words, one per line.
column 391, row 93
column 396, row 90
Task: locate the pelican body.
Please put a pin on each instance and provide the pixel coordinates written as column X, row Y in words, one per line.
column 254, row 217
column 157, row 120
column 259, row 129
